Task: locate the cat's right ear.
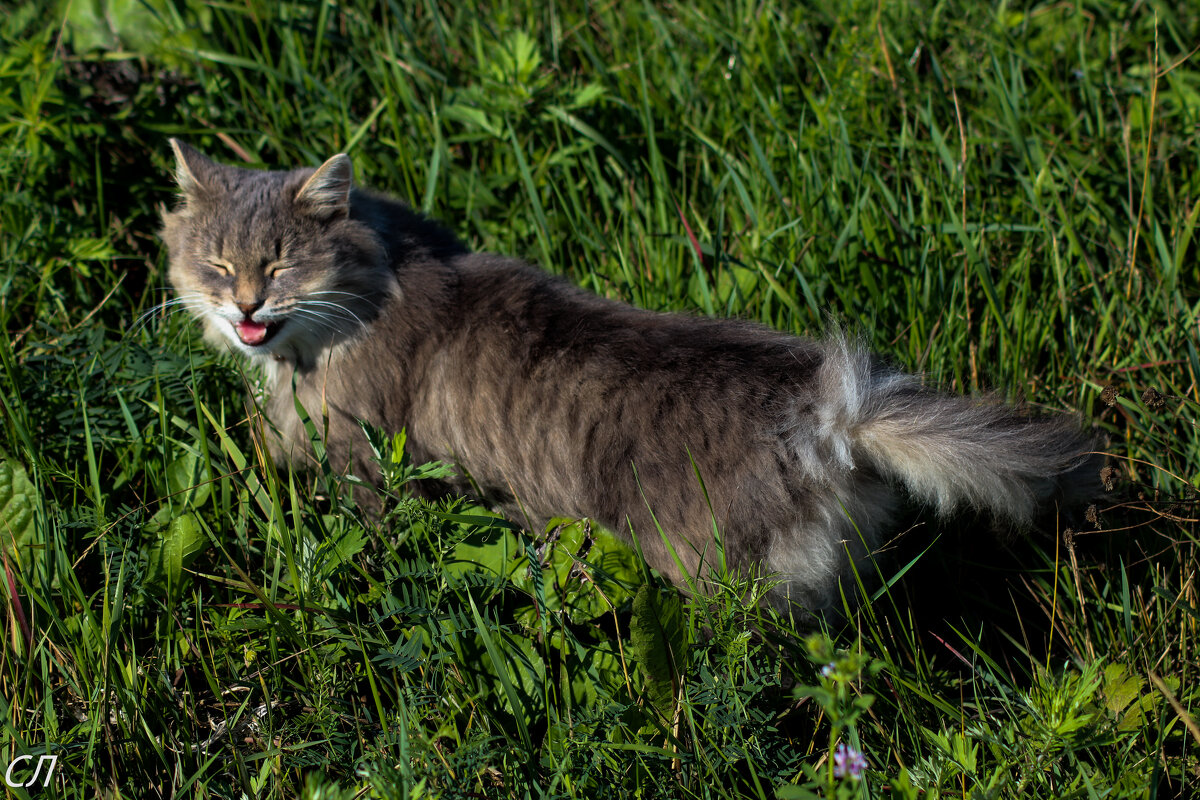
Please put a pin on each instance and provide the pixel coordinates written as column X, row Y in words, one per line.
column 326, row 193
column 193, row 170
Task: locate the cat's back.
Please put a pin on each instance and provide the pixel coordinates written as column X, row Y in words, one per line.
column 532, row 315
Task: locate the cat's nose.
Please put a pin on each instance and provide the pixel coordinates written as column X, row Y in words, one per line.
column 249, row 308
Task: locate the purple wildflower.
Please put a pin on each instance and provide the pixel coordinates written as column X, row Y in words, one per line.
column 848, row 762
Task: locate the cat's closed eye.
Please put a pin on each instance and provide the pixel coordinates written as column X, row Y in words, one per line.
column 221, row 266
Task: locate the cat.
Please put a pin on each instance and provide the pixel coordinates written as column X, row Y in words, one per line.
column 553, row 401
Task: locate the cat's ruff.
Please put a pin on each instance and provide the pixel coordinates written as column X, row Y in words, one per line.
column 559, row 402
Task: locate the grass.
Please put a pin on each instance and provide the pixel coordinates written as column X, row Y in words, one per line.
column 1003, row 197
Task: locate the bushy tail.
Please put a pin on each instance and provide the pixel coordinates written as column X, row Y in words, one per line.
column 954, row 451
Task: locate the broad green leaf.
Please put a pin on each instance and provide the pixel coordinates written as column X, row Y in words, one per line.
column 17, row 502
column 187, row 481
column 657, row 642
column 181, row 543
column 1120, row 687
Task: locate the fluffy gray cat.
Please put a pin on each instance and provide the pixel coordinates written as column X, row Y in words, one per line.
column 555, row 402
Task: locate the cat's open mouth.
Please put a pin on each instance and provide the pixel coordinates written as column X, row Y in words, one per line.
column 256, row 334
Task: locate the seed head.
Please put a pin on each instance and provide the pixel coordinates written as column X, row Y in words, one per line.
column 1108, row 477
column 1153, row 399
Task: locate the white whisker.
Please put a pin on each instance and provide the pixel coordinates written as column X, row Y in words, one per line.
column 358, row 297
column 324, row 320
column 340, row 309
column 188, row 302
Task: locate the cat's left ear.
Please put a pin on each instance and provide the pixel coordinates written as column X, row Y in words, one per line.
column 327, row 193
column 193, row 170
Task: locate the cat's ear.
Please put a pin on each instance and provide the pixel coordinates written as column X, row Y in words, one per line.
column 327, row 192
column 193, row 170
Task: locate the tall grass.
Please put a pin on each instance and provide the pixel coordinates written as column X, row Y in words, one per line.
column 1002, row 196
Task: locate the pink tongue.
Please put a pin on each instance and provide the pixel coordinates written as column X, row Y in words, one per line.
column 251, row 332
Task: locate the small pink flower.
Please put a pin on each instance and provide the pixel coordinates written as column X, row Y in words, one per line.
column 848, row 762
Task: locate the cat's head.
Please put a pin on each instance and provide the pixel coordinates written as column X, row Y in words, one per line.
column 273, row 263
